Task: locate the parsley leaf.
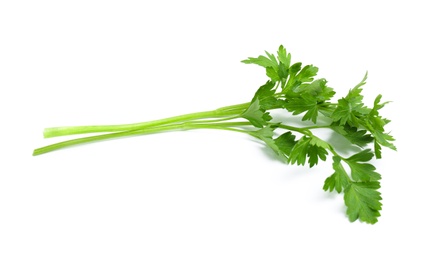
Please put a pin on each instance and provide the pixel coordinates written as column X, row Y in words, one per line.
column 358, row 137
column 276, row 70
column 256, row 115
column 363, row 201
column 299, row 151
column 361, row 171
column 286, row 143
column 266, row 135
column 375, row 124
column 339, row 180
column 283, row 56
column 263, row 61
column 265, row 95
column 309, row 98
column 351, row 109
column 361, row 195
column 308, row 148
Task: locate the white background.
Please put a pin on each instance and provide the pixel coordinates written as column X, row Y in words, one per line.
column 204, row 194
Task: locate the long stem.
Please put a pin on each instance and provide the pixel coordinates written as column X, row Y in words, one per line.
column 150, row 130
column 296, row 129
column 240, row 107
column 224, row 112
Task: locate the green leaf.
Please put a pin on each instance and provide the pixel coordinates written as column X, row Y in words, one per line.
column 314, row 152
column 297, row 76
column 307, row 73
column 363, row 201
column 362, row 156
column 358, row 137
column 339, row 180
column 348, row 112
column 362, row 198
column 300, row 103
column 384, row 139
column 286, row 143
column 262, row 61
column 283, row 56
column 294, row 69
column 312, row 148
column 265, row 95
column 272, row 73
column 377, row 150
column 272, row 58
column 282, row 71
column 350, row 109
column 363, row 81
column 265, row 91
column 309, row 98
column 362, row 171
column 266, row 135
column 299, row 152
column 319, row 90
column 376, row 125
column 256, row 115
column 311, row 114
column 276, row 70
column 319, row 142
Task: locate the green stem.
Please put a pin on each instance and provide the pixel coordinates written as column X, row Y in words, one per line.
column 182, row 126
column 239, row 107
column 304, row 131
column 318, row 126
column 224, row 113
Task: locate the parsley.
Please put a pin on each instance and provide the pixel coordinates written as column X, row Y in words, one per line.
column 293, row 88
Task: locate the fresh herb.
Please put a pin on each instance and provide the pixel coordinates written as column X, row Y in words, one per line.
column 293, row 88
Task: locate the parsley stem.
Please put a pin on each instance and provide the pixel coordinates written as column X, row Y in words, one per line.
column 143, row 131
column 224, row 113
column 216, row 120
column 303, row 131
column 317, row 126
column 237, row 107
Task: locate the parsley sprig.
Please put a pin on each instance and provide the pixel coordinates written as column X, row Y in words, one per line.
column 294, row 88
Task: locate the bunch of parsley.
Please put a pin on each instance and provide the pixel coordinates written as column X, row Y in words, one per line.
column 291, row 87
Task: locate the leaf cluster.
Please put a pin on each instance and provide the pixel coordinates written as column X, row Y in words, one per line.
column 295, row 88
